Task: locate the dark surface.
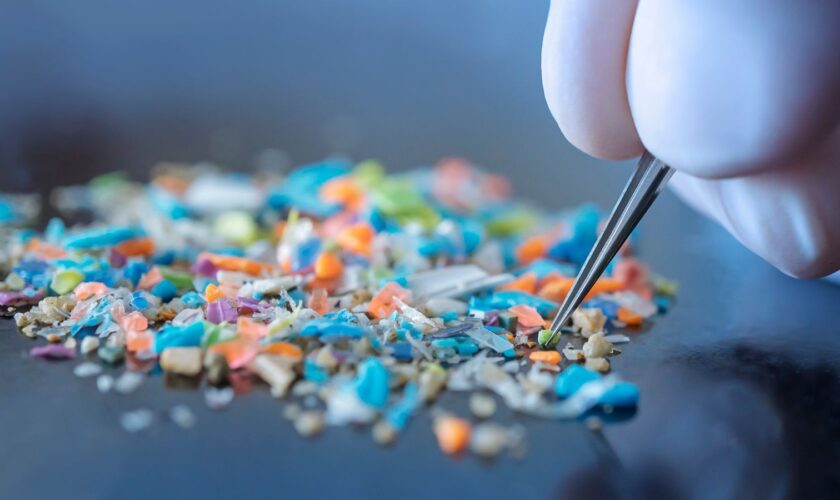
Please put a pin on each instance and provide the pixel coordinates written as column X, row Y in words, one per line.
column 738, row 382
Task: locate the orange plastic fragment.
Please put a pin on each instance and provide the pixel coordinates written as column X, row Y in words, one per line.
column 547, row 357
column 556, row 289
column 150, row 279
column 171, row 183
column 279, row 228
column 383, row 304
column 286, row 349
column 233, row 263
column 89, row 289
column 134, row 321
column 319, row 302
column 248, row 328
column 45, row 250
column 531, row 249
column 526, row 283
column 453, row 434
column 357, row 238
column 138, row 340
column 212, row 293
column 629, row 317
column 342, row 190
column 328, row 266
column 135, row 247
column 527, row 316
column 604, row 285
column 238, row 352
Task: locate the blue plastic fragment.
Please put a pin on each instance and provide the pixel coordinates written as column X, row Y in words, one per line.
column 166, row 203
column 573, row 378
column 371, row 383
column 305, row 255
column 402, row 351
column 102, row 237
column 165, row 290
column 164, row 258
column 621, row 395
column 54, row 231
column 174, row 336
column 329, row 329
column 134, row 271
column 543, row 267
column 399, row 414
column 192, row 299
column 570, row 380
column 139, row 300
column 607, row 307
column 314, row 373
column 510, row 298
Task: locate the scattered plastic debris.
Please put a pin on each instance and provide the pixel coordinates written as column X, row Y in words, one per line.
column 357, row 296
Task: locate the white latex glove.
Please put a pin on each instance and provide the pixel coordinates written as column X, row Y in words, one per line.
column 742, row 97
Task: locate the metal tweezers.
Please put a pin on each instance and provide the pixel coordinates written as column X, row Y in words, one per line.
column 643, row 187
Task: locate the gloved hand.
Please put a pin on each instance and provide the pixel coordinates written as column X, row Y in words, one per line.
column 742, row 97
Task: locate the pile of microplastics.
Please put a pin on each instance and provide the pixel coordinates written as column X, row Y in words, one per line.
column 356, row 296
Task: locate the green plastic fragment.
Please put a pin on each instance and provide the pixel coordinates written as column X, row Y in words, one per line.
column 111, row 355
column 663, row 286
column 509, row 223
column 237, row 227
column 182, row 280
column 543, row 337
column 65, row 281
column 368, row 173
column 400, row 200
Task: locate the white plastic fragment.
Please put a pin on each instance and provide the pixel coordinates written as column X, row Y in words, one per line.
column 87, row 369
column 309, row 423
column 128, row 382
column 440, row 305
column 182, row 416
column 276, row 371
column 217, row 398
column 453, row 281
column 596, row 346
column 89, row 344
column 488, row 439
column 617, row 338
column 137, row 420
column 482, row 405
column 589, row 320
column 598, row 364
column 634, row 302
column 104, row 383
column 486, row 338
column 573, row 354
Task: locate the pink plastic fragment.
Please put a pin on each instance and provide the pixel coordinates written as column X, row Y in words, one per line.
column 52, row 352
